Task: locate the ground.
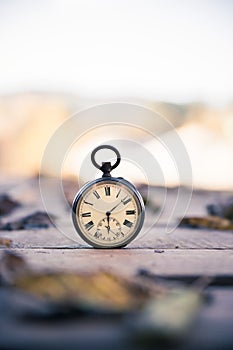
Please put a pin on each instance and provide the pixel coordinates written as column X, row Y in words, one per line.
column 184, row 254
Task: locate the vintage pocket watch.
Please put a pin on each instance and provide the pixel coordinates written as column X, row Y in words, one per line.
column 108, row 212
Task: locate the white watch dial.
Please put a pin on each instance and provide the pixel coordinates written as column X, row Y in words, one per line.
column 107, row 213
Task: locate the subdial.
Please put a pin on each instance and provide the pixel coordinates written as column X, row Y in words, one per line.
column 109, row 229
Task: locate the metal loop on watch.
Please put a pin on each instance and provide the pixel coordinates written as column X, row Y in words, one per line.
column 103, row 167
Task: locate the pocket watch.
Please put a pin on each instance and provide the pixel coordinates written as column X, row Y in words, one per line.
column 108, row 212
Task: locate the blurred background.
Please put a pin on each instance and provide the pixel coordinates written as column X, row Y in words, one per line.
column 175, row 57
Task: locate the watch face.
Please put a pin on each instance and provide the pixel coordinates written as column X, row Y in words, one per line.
column 108, row 213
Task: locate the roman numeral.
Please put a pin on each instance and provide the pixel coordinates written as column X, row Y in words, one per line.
column 89, row 225
column 96, row 194
column 88, row 203
column 118, row 193
column 86, row 215
column 126, row 200
column 97, row 234
column 130, row 212
column 107, row 190
column 127, row 223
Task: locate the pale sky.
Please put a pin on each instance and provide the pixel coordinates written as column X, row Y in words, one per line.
column 176, row 50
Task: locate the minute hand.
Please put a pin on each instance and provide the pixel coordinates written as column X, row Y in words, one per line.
column 117, row 205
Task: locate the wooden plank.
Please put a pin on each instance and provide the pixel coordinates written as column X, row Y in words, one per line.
column 156, row 238
column 129, row 261
column 184, row 238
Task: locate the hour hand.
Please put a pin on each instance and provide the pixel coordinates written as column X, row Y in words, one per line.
column 108, row 215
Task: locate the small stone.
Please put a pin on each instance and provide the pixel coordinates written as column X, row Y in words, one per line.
column 37, row 220
column 7, row 205
column 223, row 210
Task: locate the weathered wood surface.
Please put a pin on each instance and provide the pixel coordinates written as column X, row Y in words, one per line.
column 184, row 252
column 181, row 238
column 129, row 261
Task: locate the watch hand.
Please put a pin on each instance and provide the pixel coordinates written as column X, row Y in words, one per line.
column 108, row 218
column 114, row 207
column 117, row 205
column 108, row 227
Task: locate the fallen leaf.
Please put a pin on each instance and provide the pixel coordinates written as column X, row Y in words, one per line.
column 96, row 291
column 12, row 265
column 213, row 222
column 168, row 316
column 5, row 242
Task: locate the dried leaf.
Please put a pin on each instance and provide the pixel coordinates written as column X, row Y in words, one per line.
column 96, row 291
column 213, row 222
column 12, row 266
column 6, row 242
column 170, row 315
